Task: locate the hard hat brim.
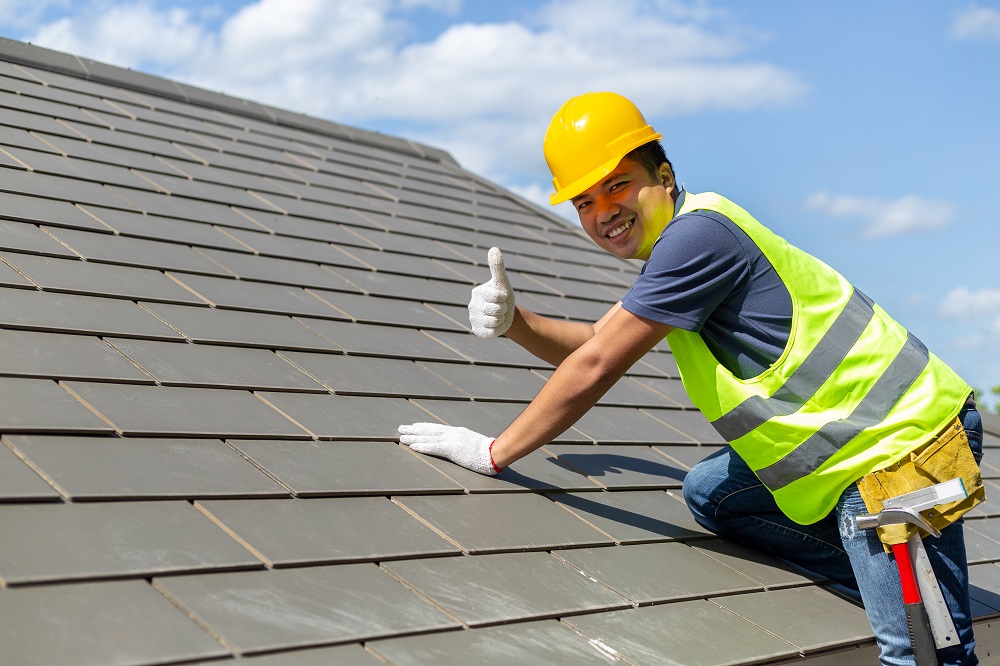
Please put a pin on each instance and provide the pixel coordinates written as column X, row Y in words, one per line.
column 593, row 177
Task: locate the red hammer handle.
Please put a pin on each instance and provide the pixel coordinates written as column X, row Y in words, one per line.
column 911, row 593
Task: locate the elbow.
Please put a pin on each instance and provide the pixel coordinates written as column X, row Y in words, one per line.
column 597, row 368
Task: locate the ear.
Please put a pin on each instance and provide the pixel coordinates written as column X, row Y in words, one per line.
column 666, row 176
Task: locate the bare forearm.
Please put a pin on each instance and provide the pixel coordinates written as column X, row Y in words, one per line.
column 578, row 383
column 551, row 340
column 573, row 389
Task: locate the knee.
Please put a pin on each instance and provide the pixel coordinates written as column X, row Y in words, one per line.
column 697, row 491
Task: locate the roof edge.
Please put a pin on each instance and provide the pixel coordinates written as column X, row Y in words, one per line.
column 25, row 53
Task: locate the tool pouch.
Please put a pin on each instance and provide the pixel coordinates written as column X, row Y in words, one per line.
column 946, row 457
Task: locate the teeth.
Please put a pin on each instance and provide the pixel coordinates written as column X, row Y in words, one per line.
column 620, row 230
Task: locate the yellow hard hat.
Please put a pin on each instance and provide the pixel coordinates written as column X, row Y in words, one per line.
column 588, row 137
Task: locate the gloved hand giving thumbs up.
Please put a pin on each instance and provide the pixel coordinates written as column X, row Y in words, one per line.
column 491, row 310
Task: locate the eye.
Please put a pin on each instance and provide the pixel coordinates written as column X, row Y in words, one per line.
column 617, row 185
column 582, row 205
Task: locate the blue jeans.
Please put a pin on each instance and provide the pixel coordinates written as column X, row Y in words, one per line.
column 727, row 498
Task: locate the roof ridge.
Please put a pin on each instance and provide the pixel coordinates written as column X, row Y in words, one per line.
column 25, row 53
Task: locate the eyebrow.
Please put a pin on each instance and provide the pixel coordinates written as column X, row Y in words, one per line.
column 612, row 176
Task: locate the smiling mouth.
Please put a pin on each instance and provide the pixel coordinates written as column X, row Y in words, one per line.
column 618, row 231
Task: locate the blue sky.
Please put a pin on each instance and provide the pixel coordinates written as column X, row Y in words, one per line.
column 864, row 132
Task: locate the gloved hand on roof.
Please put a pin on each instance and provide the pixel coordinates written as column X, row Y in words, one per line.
column 491, row 310
column 459, row 445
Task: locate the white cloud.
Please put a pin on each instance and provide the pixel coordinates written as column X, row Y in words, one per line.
column 483, row 91
column 963, row 302
column 883, row 217
column 23, row 14
column 445, row 6
column 127, row 35
column 977, row 23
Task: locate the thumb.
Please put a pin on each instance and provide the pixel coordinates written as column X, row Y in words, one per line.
column 497, row 273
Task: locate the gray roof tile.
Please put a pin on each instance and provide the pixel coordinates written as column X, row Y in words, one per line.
column 489, row 382
column 87, row 277
column 671, row 389
column 299, row 249
column 487, row 418
column 135, row 252
column 29, row 239
column 689, row 423
column 767, row 571
column 19, row 482
column 233, row 327
column 389, row 311
column 489, row 589
column 140, row 225
column 51, row 542
column 42, row 162
column 84, row 624
column 539, row 470
column 625, row 570
column 254, row 296
column 634, row 517
column 984, row 581
column 675, row 634
column 546, row 642
column 271, row 269
column 57, row 356
column 612, row 425
column 174, row 364
column 60, row 188
column 295, row 608
column 40, row 405
column 500, row 351
column 155, row 203
column 686, row 456
column 86, row 150
column 620, row 467
column 499, row 523
column 401, row 286
column 17, row 136
column 10, row 277
column 360, row 375
column 188, row 412
column 47, row 311
column 341, row 655
column 339, row 228
column 344, row 416
column 97, row 468
column 792, row 614
column 387, row 341
column 317, row 469
column 324, row 530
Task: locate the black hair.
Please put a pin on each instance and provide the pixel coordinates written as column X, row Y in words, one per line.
column 651, row 155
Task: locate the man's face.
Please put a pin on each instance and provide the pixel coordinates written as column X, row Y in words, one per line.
column 626, row 212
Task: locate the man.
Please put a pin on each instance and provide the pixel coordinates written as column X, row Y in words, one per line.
column 819, row 392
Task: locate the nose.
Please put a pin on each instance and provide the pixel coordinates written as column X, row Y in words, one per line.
column 606, row 210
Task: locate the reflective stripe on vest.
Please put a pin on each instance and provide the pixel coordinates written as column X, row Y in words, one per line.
column 852, row 392
column 805, row 381
column 872, row 410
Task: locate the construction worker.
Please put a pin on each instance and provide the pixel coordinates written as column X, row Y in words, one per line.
column 820, row 394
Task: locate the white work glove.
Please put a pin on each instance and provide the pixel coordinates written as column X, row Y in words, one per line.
column 459, row 445
column 491, row 310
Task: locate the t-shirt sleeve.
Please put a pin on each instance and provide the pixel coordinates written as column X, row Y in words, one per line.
column 696, row 265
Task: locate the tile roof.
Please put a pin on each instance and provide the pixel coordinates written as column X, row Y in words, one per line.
column 213, row 316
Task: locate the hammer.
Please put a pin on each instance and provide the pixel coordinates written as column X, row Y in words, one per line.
column 930, row 623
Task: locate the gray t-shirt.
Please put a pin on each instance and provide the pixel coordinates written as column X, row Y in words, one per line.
column 705, row 275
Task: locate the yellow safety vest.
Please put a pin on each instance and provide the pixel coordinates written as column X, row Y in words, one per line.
column 852, row 392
